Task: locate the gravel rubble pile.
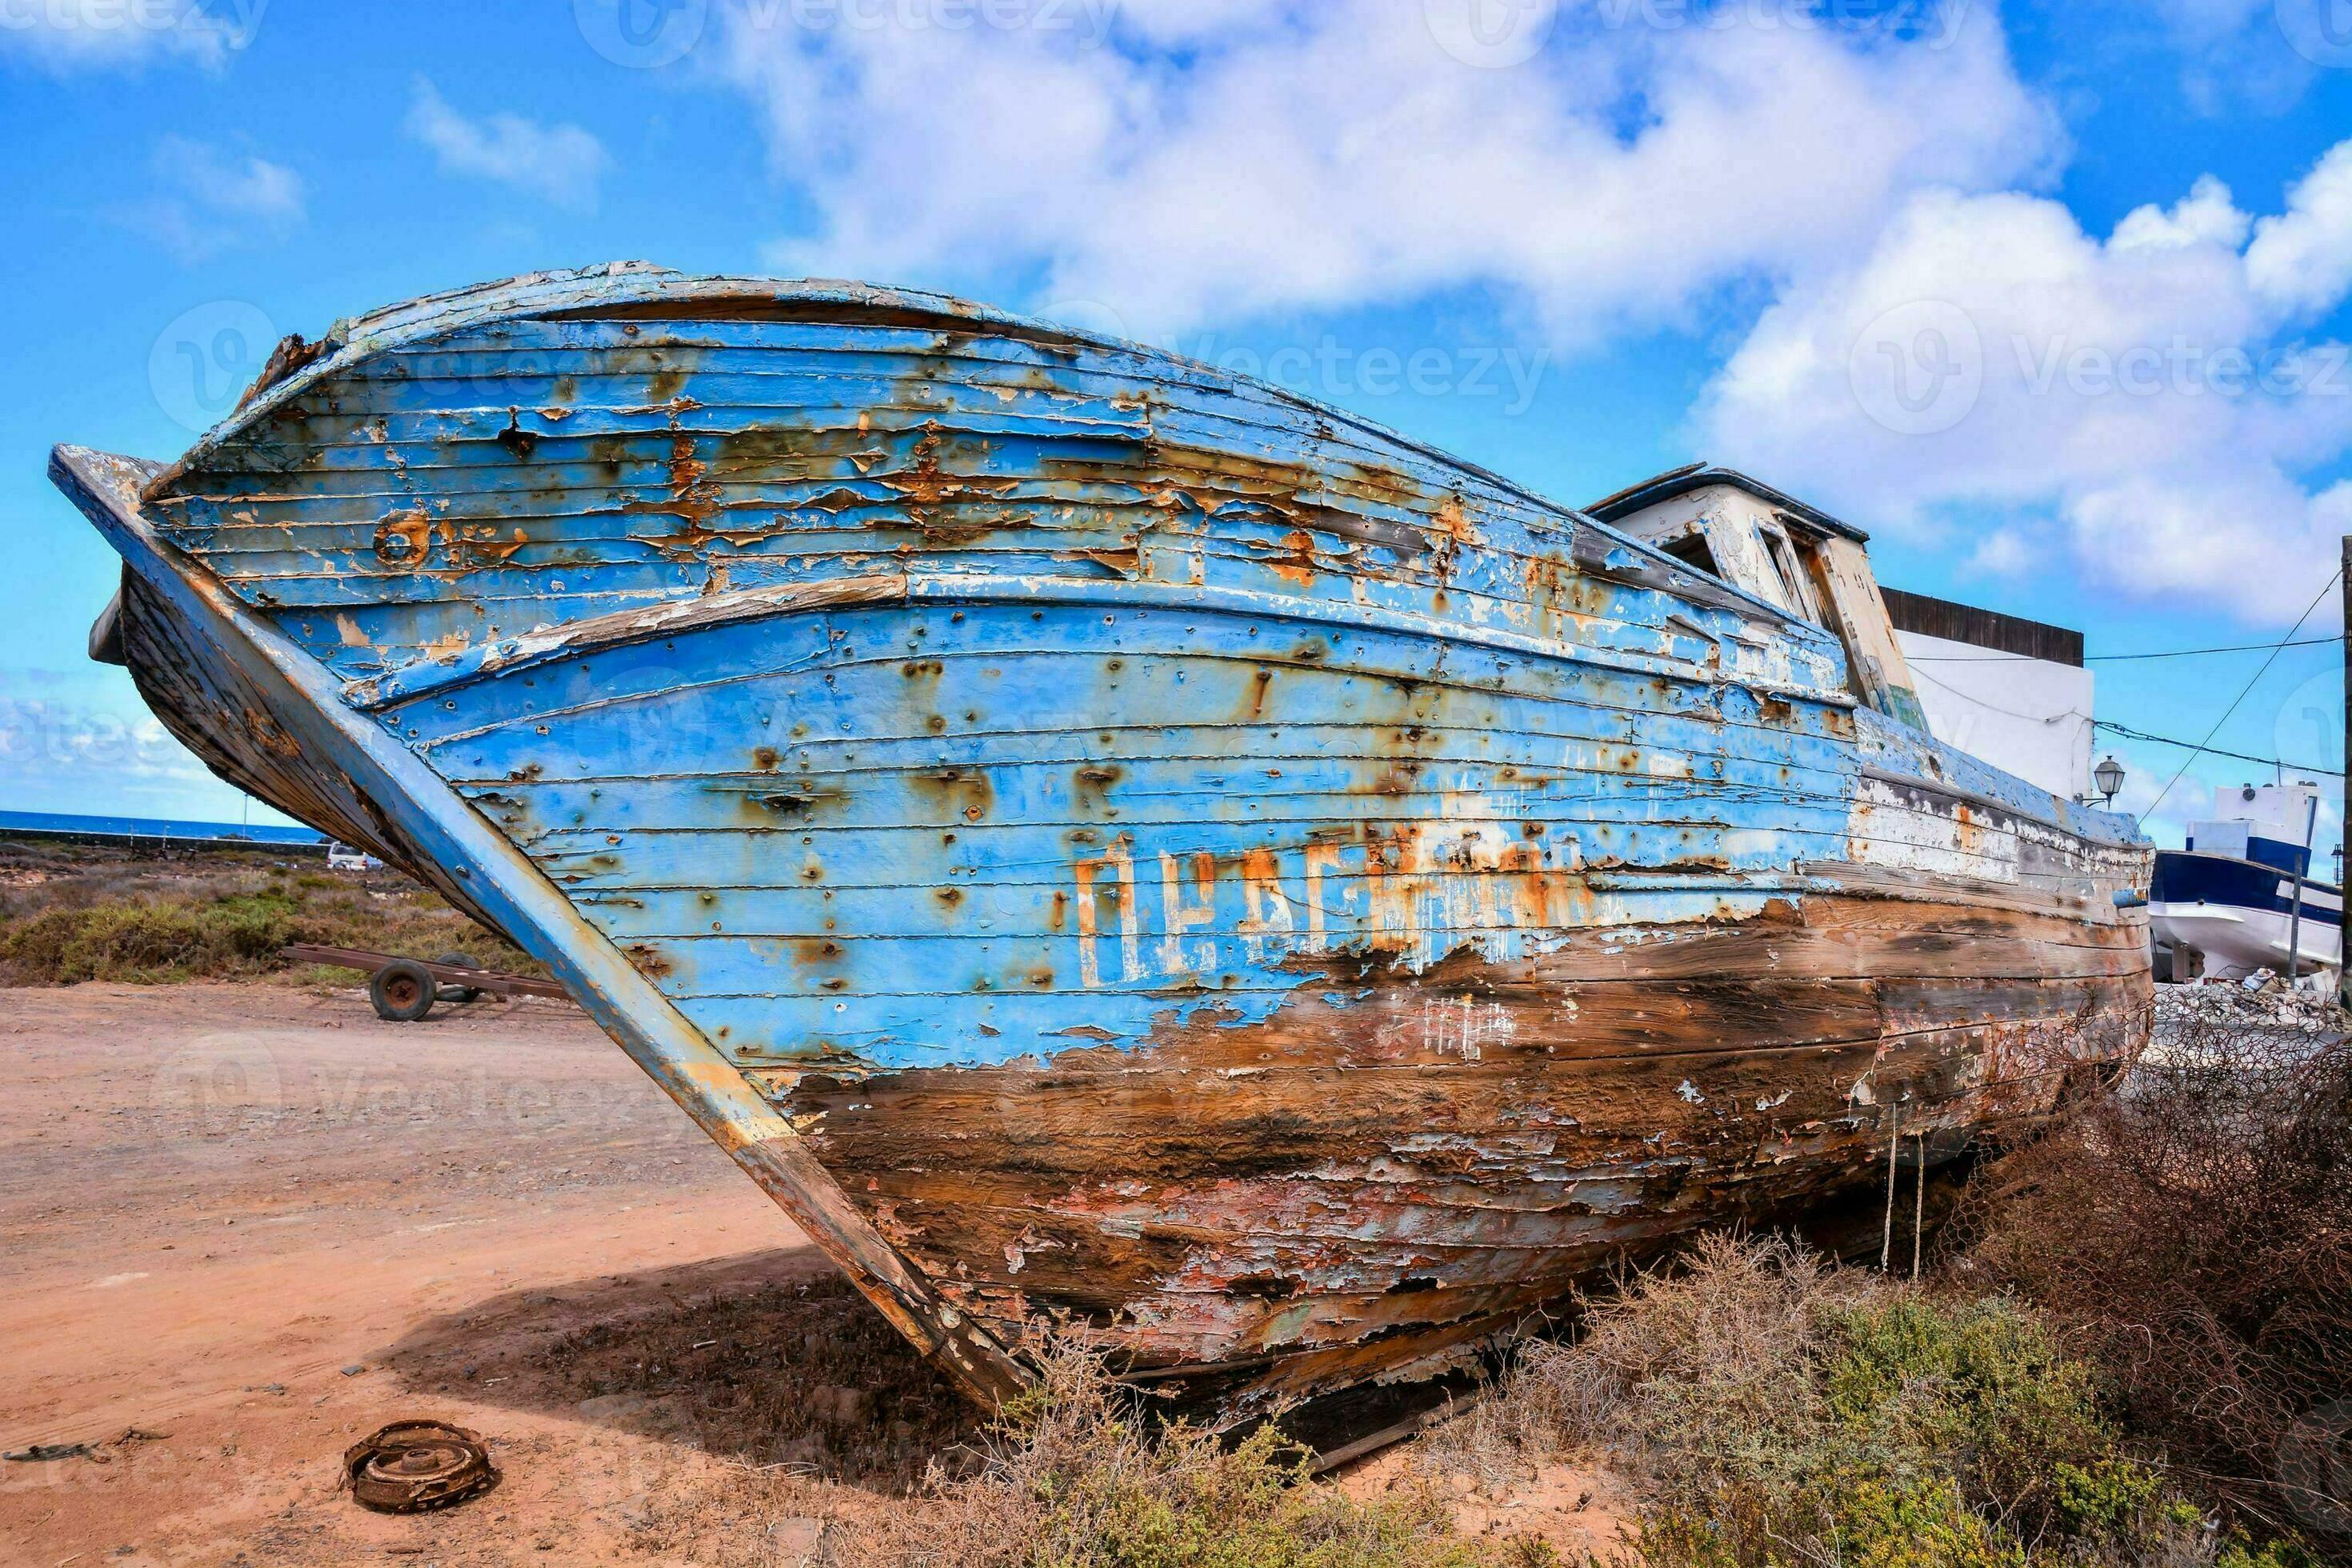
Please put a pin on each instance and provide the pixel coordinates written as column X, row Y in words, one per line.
column 2262, row 998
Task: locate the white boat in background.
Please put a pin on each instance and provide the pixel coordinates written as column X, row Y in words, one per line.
column 2227, row 905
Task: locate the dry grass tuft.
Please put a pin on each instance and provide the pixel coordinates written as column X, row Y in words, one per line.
column 1679, row 1364
column 69, row 913
column 1078, row 1479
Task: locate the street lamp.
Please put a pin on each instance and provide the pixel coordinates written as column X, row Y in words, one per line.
column 2109, row 777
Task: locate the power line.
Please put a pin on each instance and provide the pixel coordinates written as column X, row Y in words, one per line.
column 2117, row 658
column 2333, row 578
column 2214, row 751
column 2194, row 652
column 2005, row 712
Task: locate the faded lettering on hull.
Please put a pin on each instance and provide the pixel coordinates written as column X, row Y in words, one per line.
column 1401, row 893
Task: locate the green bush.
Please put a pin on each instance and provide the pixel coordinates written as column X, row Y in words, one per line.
column 1976, row 1388
column 148, row 942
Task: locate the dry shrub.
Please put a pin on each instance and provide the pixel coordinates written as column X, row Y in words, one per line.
column 1770, row 1411
column 737, row 1515
column 2192, row 1235
column 1079, row 1478
column 1684, row 1365
column 68, row 917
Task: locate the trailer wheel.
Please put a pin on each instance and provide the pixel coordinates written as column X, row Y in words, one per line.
column 402, row 991
column 459, row 993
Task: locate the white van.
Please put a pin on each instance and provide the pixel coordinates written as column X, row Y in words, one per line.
column 343, row 857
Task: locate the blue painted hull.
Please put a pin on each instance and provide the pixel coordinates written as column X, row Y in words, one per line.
column 1140, row 849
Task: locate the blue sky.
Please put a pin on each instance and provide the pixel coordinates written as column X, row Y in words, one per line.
column 2052, row 299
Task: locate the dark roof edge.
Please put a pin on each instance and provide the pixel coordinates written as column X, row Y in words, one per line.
column 1692, row 476
column 1927, row 616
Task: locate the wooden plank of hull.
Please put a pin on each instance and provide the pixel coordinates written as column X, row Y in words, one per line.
column 473, row 480
column 1328, row 1176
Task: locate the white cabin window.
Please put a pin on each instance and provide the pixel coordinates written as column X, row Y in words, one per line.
column 1796, row 583
column 1693, row 551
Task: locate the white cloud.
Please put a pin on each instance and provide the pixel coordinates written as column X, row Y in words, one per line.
column 2206, row 214
column 208, row 201
column 2135, row 403
column 254, row 188
column 561, row 162
column 65, row 36
column 2302, row 259
column 2003, row 552
column 2236, row 57
column 2143, row 390
column 1329, row 154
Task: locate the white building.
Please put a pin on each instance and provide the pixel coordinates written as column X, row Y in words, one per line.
column 2011, row 691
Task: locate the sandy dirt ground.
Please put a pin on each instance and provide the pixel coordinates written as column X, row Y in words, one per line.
column 242, row 1227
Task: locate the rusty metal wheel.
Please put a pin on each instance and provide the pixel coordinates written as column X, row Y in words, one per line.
column 459, row 993
column 413, row 1466
column 402, row 991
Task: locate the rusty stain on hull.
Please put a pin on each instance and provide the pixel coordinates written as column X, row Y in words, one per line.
column 1186, row 864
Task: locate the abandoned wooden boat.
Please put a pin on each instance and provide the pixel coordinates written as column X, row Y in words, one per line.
column 1111, row 844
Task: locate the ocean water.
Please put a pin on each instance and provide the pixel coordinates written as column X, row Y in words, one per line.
column 148, row 827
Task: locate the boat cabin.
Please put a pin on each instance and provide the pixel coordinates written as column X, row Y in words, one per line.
column 2270, row 824
column 1783, row 551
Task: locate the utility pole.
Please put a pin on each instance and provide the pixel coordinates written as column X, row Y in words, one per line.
column 2295, row 910
column 2343, row 816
